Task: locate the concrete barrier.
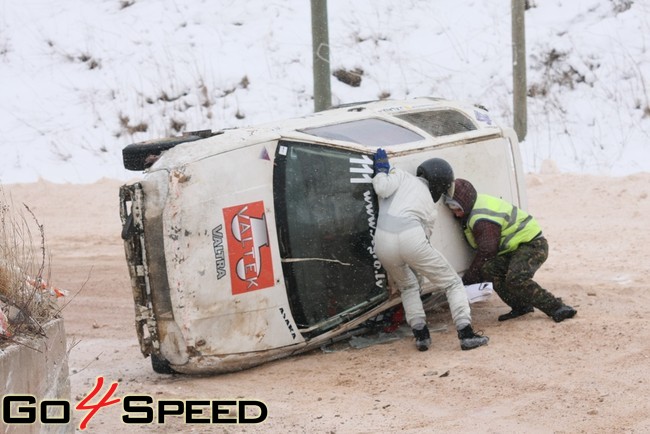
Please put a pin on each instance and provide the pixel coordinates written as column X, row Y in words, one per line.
column 38, row 368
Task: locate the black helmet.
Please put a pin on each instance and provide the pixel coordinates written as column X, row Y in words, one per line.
column 439, row 175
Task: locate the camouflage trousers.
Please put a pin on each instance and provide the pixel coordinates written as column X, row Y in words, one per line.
column 512, row 274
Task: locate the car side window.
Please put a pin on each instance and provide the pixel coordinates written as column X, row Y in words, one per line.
column 371, row 132
column 325, row 218
column 440, row 123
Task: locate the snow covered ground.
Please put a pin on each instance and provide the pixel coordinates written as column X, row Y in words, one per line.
column 81, row 79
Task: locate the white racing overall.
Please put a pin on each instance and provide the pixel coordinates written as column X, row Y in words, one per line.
column 407, row 214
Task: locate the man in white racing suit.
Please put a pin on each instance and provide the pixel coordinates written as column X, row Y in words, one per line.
column 407, row 213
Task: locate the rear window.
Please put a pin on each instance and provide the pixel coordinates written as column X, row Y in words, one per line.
column 440, row 122
column 370, row 132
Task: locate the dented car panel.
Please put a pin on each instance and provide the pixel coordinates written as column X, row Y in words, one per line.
column 255, row 244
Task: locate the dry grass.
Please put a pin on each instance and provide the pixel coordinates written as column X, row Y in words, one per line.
column 26, row 300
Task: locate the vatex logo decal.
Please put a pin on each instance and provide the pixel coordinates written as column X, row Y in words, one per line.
column 249, row 254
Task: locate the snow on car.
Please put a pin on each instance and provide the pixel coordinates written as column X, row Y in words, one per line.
column 253, row 244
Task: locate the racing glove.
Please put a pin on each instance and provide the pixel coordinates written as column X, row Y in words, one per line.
column 381, row 164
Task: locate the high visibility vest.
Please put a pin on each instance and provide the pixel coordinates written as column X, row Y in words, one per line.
column 517, row 226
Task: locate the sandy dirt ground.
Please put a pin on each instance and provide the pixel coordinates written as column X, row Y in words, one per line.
column 588, row 374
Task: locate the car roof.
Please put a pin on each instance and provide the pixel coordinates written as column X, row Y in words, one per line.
column 292, row 129
column 361, row 110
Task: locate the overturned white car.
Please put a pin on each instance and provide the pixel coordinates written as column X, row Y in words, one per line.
column 253, row 244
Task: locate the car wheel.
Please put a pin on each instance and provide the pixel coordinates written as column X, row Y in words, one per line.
column 160, row 365
column 140, row 156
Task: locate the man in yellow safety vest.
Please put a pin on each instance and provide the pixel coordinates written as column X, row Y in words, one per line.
column 509, row 247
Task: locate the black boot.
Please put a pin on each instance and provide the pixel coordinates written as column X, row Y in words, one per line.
column 562, row 313
column 516, row 312
column 422, row 337
column 470, row 340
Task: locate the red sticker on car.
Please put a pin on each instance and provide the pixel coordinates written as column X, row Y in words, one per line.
column 249, row 254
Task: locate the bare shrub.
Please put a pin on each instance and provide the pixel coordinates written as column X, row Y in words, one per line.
column 243, row 84
column 27, row 301
column 164, row 96
column 619, row 6
column 177, row 125
column 204, row 95
column 556, row 71
column 89, row 60
column 125, row 123
column 5, row 46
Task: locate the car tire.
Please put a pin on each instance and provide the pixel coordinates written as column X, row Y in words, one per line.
column 160, row 365
column 139, row 156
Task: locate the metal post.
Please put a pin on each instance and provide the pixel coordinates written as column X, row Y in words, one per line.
column 321, row 55
column 519, row 91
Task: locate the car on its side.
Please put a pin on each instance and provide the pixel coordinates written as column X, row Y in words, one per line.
column 253, row 244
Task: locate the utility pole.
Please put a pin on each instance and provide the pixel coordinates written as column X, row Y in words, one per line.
column 321, row 55
column 519, row 91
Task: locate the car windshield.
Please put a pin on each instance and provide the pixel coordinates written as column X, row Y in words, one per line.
column 326, row 212
column 370, row 132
